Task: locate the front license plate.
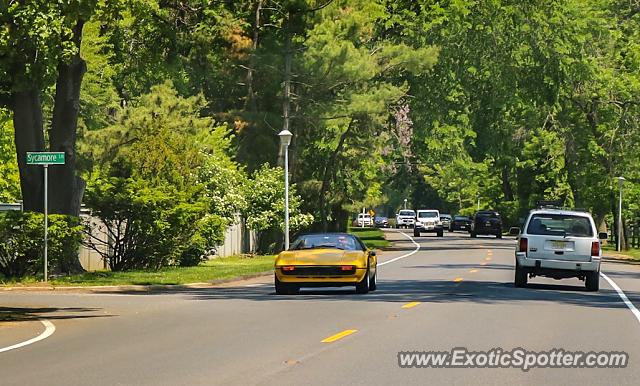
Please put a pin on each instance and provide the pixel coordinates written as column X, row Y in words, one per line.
column 557, row 244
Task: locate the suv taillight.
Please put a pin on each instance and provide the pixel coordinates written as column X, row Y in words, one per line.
column 595, row 248
column 523, row 245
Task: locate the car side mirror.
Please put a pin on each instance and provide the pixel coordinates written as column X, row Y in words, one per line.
column 514, row 231
column 603, row 235
column 372, row 253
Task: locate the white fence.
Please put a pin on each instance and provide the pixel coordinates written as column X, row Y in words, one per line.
column 237, row 239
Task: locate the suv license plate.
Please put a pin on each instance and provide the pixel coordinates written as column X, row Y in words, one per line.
column 557, row 244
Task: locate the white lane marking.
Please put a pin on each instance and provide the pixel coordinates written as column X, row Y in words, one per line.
column 622, row 295
column 49, row 329
column 403, row 256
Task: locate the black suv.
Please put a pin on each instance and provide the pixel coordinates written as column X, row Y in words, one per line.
column 486, row 222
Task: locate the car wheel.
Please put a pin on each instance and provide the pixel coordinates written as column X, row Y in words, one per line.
column 592, row 281
column 440, row 233
column 416, row 233
column 362, row 287
column 473, row 235
column 499, row 236
column 521, row 276
column 373, row 283
column 285, row 288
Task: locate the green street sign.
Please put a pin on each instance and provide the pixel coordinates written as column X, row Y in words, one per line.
column 45, row 158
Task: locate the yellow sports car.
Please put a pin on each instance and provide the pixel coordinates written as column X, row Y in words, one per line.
column 326, row 260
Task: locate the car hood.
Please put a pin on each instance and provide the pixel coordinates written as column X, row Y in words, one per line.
column 328, row 256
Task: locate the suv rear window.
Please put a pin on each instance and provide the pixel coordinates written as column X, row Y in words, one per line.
column 428, row 214
column 559, row 225
column 487, row 215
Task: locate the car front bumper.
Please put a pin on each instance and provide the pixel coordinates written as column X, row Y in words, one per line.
column 324, row 278
column 558, row 265
column 428, row 228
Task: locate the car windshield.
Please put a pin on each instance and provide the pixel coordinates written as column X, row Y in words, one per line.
column 406, row 213
column 317, row 241
column 428, row 214
column 560, row 225
column 462, row 218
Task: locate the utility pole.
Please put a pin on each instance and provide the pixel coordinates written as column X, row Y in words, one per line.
column 619, row 246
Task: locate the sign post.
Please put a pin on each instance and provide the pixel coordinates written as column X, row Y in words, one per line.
column 45, row 159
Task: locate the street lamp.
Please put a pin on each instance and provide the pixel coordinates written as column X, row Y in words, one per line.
column 405, row 203
column 285, row 140
column 619, row 246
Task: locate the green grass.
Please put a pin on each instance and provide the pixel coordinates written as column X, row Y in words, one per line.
column 217, row 269
column 372, row 237
column 611, row 250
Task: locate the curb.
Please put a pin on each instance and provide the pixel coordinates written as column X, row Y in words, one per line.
column 135, row 287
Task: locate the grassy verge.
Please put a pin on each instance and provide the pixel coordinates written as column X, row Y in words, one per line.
column 372, row 237
column 611, row 250
column 217, row 269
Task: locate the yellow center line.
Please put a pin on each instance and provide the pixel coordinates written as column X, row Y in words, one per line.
column 458, row 279
column 473, row 271
column 411, row 305
column 339, row 335
column 483, row 263
column 487, row 258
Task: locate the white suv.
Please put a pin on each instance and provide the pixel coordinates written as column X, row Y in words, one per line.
column 428, row 220
column 559, row 244
column 405, row 218
column 364, row 220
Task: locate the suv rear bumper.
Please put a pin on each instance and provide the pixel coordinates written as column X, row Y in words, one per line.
column 542, row 265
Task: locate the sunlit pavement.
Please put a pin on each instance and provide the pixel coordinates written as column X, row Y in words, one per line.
column 453, row 292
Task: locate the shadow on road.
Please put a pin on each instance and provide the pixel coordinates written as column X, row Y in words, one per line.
column 428, row 291
column 19, row 314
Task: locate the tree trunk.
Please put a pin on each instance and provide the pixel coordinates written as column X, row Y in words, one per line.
column 27, row 123
column 66, row 189
column 250, row 103
column 329, row 171
column 506, row 184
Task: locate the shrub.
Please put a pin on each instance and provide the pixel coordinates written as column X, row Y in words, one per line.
column 22, row 243
column 149, row 226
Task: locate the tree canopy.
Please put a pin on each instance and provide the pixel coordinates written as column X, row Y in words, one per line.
column 445, row 103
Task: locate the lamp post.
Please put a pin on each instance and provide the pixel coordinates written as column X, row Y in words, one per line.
column 405, row 203
column 285, row 140
column 619, row 246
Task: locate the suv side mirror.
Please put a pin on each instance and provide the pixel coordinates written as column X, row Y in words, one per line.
column 372, row 253
column 603, row 235
column 514, row 231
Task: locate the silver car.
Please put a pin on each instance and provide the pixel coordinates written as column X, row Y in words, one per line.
column 559, row 244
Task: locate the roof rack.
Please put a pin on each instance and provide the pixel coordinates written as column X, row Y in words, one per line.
column 556, row 204
column 549, row 204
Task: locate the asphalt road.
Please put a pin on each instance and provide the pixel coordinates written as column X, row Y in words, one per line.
column 452, row 292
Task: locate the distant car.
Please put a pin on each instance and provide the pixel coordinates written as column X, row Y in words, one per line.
column 406, row 218
column 326, row 260
column 381, row 222
column 559, row 244
column 486, row 222
column 460, row 223
column 364, row 220
column 446, row 221
column 428, row 220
